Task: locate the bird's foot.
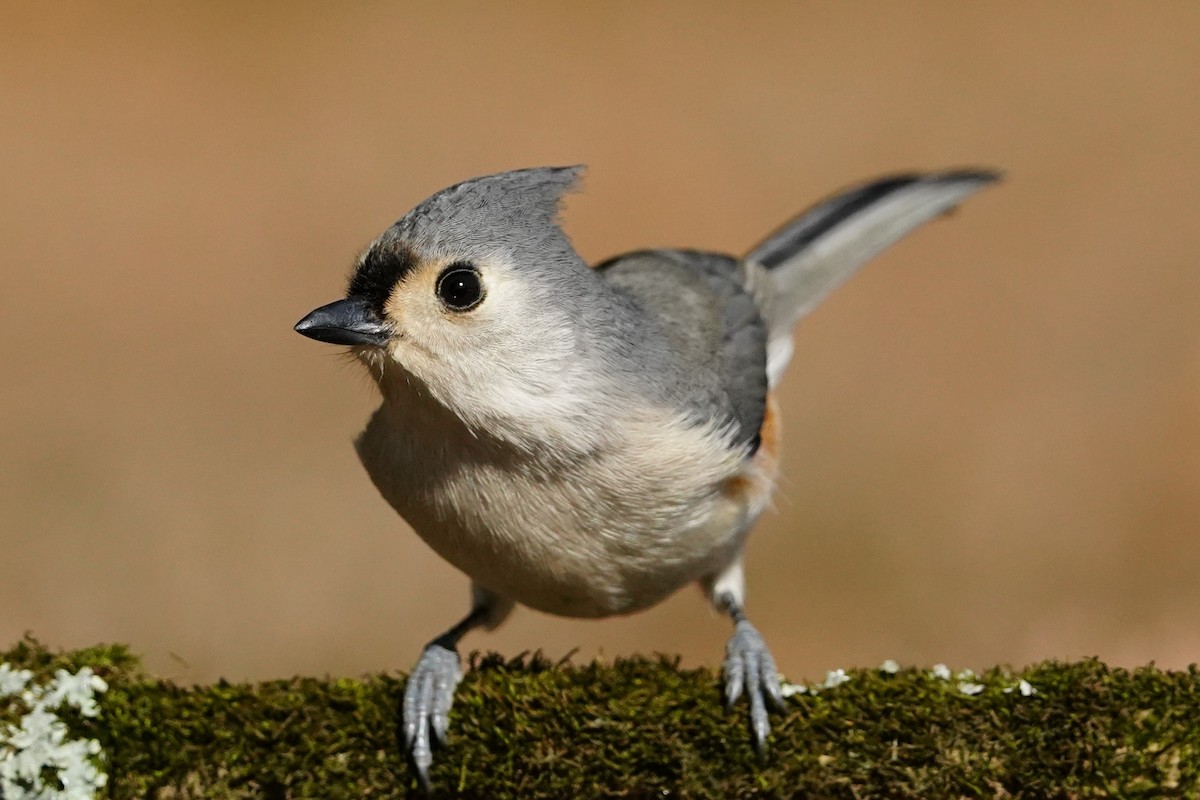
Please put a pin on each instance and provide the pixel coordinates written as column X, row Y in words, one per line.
column 750, row 668
column 428, row 696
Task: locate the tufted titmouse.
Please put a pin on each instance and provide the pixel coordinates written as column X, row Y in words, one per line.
column 586, row 441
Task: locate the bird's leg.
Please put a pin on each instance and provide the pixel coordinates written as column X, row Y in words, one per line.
column 749, row 667
column 429, row 692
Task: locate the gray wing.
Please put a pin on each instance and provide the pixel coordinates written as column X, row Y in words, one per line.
column 710, row 329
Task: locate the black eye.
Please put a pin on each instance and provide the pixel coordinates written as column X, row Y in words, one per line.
column 459, row 287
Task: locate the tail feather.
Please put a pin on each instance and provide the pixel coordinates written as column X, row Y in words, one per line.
column 796, row 267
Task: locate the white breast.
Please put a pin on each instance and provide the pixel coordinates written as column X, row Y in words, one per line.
column 616, row 531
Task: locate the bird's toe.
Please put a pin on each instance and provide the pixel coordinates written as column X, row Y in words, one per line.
column 749, row 668
column 428, row 696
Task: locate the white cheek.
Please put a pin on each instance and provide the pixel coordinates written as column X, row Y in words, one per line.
column 458, row 343
column 507, row 367
column 508, row 332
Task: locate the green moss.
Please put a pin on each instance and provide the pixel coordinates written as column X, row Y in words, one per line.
column 645, row 728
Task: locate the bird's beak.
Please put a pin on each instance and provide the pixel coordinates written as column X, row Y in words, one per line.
column 351, row 321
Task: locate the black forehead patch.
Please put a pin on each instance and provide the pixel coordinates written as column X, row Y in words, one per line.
column 381, row 269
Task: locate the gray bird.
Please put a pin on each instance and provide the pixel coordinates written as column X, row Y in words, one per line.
column 587, row 440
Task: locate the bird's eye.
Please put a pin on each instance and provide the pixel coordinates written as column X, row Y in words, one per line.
column 459, row 287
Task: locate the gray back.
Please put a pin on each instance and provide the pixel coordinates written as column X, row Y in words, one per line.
column 703, row 343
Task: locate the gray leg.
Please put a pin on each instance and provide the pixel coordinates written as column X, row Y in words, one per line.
column 429, row 692
column 748, row 667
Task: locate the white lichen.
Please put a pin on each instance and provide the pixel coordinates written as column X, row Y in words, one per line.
column 834, row 677
column 1024, row 687
column 12, row 681
column 965, row 681
column 37, row 760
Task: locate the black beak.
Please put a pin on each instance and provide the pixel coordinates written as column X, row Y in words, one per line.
column 349, row 321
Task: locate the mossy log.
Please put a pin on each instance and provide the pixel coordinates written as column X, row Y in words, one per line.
column 530, row 728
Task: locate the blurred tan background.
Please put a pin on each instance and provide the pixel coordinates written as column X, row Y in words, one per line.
column 993, row 431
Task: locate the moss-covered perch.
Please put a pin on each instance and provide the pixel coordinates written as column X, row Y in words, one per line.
column 644, row 728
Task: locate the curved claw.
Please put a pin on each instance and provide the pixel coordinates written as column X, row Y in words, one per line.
column 428, row 696
column 749, row 668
